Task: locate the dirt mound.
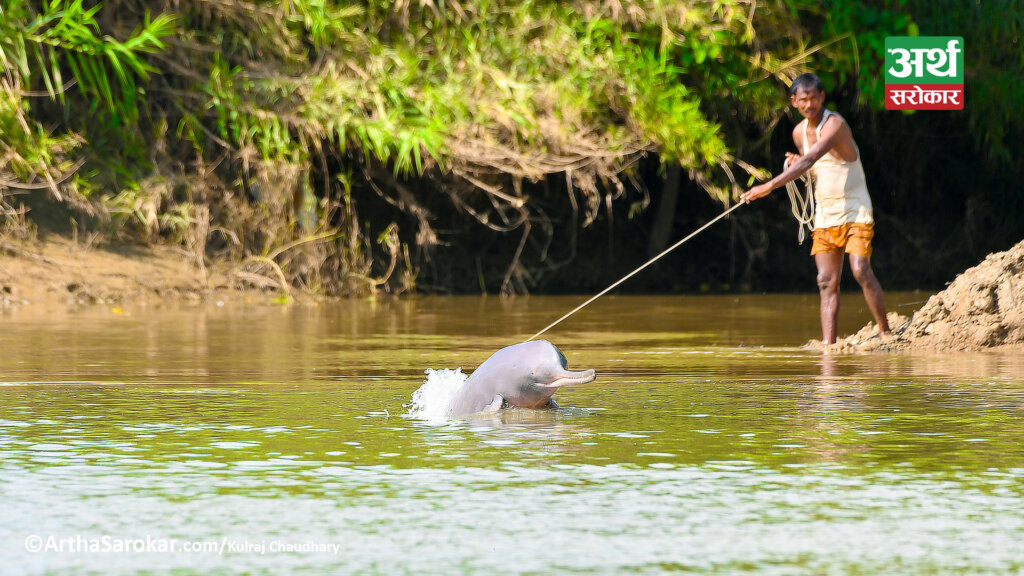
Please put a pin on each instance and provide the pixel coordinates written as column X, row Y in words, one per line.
column 982, row 308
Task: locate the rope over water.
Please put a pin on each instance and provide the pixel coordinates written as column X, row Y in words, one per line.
column 631, row 274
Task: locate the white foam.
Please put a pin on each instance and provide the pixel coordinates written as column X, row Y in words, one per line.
column 431, row 400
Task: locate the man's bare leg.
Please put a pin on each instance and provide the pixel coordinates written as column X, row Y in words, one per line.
column 830, row 270
column 861, row 268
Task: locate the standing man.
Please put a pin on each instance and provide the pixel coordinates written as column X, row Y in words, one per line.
column 843, row 221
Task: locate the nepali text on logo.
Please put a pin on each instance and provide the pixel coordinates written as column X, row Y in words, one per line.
column 924, row 73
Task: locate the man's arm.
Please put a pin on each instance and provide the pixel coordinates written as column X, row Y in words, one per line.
column 831, row 133
column 797, row 137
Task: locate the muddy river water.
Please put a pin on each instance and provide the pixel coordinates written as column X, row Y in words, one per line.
column 284, row 440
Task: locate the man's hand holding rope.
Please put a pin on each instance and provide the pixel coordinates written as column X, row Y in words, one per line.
column 762, row 190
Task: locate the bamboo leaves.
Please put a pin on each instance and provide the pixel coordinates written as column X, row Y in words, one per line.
column 38, row 43
column 67, row 33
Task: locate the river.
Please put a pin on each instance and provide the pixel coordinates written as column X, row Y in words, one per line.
column 221, row 439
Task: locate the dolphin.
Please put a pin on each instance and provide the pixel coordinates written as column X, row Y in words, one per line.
column 524, row 375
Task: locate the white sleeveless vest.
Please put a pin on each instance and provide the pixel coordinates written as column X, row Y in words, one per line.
column 840, row 190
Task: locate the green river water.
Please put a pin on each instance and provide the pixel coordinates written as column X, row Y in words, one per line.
column 284, row 440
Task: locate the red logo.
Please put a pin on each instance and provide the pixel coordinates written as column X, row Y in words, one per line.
column 924, row 97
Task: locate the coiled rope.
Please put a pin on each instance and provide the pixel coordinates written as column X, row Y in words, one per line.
column 801, row 203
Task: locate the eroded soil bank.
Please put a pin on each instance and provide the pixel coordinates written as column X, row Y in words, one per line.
column 982, row 308
column 60, row 271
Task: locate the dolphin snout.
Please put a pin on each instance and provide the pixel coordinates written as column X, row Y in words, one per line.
column 570, row 378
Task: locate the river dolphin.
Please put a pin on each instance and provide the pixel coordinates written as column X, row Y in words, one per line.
column 524, row 375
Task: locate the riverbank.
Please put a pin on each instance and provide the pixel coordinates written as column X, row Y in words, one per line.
column 982, row 308
column 60, row 271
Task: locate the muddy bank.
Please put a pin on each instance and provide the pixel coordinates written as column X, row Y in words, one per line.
column 60, row 271
column 982, row 308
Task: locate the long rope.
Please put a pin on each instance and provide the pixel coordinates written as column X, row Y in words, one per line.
column 801, row 204
column 631, row 274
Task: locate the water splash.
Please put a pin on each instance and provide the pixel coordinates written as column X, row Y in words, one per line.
column 431, row 400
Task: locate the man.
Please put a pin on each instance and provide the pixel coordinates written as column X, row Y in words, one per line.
column 843, row 220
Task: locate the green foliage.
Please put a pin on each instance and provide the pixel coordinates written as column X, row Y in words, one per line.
column 58, row 46
column 853, row 33
column 239, row 105
column 529, row 78
column 38, row 44
column 994, row 65
column 481, row 95
column 412, row 87
column 859, row 54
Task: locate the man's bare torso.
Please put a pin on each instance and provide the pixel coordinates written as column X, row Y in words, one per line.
column 845, row 149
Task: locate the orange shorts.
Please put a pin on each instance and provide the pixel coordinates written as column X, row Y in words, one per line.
column 854, row 237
